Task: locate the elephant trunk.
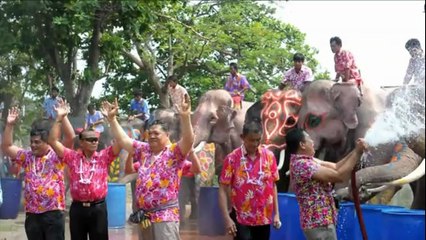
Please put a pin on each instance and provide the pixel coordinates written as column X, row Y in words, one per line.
column 402, row 167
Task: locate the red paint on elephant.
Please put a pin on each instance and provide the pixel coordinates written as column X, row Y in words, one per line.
column 279, row 113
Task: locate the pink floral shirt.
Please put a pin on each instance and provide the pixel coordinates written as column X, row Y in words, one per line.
column 343, row 60
column 252, row 185
column 177, row 94
column 44, row 181
column 158, row 180
column 88, row 179
column 316, row 203
column 297, row 79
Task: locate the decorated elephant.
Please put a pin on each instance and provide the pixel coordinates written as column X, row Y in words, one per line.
column 278, row 111
column 397, row 153
column 216, row 121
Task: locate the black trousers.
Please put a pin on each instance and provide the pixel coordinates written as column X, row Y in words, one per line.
column 45, row 226
column 250, row 232
column 89, row 220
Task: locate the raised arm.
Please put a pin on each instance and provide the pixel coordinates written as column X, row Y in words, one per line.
column 122, row 139
column 185, row 143
column 7, row 142
column 61, row 113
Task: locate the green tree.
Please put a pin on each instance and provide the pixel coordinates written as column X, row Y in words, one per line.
column 197, row 41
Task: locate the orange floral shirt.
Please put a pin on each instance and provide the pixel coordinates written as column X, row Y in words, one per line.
column 44, row 181
column 252, row 185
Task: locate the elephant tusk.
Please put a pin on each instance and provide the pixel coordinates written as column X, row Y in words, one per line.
column 199, row 147
column 342, row 192
column 413, row 176
column 281, row 160
column 128, row 178
column 377, row 189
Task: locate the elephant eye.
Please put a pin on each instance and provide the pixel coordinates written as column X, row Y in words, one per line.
column 312, row 121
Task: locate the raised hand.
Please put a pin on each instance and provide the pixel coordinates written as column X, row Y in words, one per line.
column 13, row 115
column 185, row 107
column 62, row 109
column 361, row 145
column 109, row 110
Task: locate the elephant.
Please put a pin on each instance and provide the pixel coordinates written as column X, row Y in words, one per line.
column 278, row 111
column 216, row 121
column 401, row 160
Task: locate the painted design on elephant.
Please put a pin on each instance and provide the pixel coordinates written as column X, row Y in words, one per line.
column 206, row 157
column 278, row 114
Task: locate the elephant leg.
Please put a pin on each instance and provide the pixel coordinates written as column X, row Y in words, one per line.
column 419, row 195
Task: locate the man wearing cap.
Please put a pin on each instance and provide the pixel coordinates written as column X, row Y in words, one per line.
column 88, row 181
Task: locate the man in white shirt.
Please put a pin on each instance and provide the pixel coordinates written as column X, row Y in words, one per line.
column 176, row 91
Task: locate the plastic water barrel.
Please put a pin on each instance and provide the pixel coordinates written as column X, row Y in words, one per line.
column 116, row 205
column 290, row 218
column 210, row 219
column 402, row 224
column 12, row 189
column 347, row 221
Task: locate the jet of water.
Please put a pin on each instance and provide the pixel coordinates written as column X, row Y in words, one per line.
column 405, row 117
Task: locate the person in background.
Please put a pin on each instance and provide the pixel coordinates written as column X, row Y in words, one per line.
column 139, row 108
column 88, row 174
column 298, row 75
column 236, row 85
column 94, row 119
column 159, row 172
column 50, row 103
column 44, row 190
column 416, row 65
column 188, row 187
column 344, row 64
column 312, row 181
column 249, row 176
column 176, row 91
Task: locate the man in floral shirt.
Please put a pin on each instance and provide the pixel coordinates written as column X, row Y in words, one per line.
column 344, row 64
column 312, row 181
column 44, row 190
column 88, row 173
column 250, row 173
column 236, row 85
column 298, row 75
column 159, row 172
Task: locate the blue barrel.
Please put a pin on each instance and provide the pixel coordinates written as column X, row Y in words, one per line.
column 12, row 189
column 210, row 219
column 116, row 205
column 348, row 225
column 402, row 224
column 290, row 218
column 346, row 221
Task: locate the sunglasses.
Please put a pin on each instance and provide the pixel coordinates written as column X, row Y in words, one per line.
column 91, row 139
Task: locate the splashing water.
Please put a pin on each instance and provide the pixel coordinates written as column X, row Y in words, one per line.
column 404, row 119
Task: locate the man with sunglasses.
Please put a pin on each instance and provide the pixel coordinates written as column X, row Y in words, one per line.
column 161, row 163
column 88, row 181
column 44, row 179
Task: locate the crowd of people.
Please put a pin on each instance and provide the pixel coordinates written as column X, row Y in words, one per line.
column 247, row 192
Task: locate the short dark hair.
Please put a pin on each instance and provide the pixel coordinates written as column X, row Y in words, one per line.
column 412, row 43
column 80, row 135
column 137, row 93
column 298, row 57
column 91, row 106
column 172, row 78
column 54, row 88
column 163, row 125
column 253, row 126
column 293, row 138
column 234, row 66
column 337, row 40
column 42, row 133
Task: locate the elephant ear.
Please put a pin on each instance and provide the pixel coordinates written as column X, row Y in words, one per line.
column 228, row 113
column 346, row 99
